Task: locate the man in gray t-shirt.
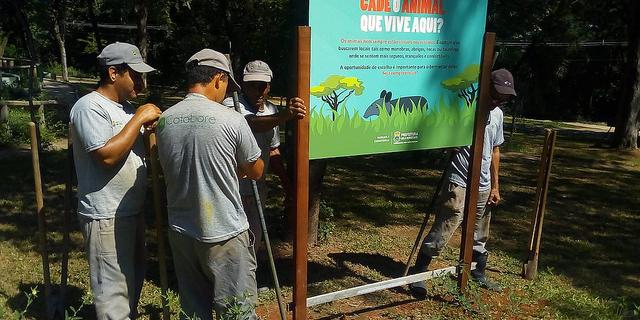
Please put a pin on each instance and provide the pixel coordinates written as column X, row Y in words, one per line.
column 450, row 205
column 109, row 159
column 264, row 119
column 204, row 148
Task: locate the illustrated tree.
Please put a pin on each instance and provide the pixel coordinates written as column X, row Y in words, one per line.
column 463, row 84
column 336, row 89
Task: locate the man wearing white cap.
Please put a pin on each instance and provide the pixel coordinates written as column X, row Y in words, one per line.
column 204, row 148
column 109, row 159
column 264, row 119
column 450, row 206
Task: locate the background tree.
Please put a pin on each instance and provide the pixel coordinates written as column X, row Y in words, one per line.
column 336, row 89
column 626, row 134
column 462, row 84
column 58, row 14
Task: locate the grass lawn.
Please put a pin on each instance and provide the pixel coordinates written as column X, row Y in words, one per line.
column 372, row 208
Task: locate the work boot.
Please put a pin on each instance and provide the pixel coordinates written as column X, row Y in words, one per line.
column 419, row 289
column 478, row 274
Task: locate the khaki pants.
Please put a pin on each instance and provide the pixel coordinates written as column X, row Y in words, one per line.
column 116, row 254
column 449, row 213
column 211, row 275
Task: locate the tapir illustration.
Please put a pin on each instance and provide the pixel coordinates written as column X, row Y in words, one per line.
column 406, row 104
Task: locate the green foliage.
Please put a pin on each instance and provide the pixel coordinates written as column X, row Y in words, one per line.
column 21, row 315
column 56, row 68
column 326, row 225
column 16, row 130
column 72, row 312
column 238, row 308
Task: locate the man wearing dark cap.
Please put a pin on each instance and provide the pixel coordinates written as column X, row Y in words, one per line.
column 109, row 161
column 450, row 205
column 204, row 148
column 264, row 120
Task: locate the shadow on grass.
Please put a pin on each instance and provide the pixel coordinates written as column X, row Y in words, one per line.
column 593, row 214
column 72, row 299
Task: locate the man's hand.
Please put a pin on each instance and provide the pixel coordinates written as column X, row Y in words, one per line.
column 147, row 114
column 494, row 197
column 296, row 108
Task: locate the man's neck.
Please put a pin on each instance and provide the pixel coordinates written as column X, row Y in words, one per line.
column 109, row 92
column 202, row 90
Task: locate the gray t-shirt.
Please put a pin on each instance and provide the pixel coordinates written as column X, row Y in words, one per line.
column 493, row 137
column 266, row 140
column 106, row 192
column 200, row 145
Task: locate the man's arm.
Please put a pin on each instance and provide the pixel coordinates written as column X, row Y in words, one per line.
column 119, row 145
column 295, row 109
column 494, row 170
column 251, row 170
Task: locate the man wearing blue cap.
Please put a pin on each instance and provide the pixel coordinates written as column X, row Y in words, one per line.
column 450, row 206
column 204, row 148
column 109, row 160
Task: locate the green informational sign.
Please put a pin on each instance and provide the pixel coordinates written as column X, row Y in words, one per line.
column 393, row 75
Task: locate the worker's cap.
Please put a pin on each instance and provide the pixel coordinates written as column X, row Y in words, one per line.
column 257, row 71
column 215, row 59
column 123, row 53
column 503, row 82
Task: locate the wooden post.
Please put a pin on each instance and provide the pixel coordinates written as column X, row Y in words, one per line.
column 530, row 267
column 41, row 120
column 303, row 46
column 473, row 180
column 42, row 227
column 160, row 226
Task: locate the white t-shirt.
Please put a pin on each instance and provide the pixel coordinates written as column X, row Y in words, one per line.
column 267, row 140
column 106, row 192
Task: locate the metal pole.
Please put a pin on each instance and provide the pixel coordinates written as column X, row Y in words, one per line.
column 263, row 224
column 432, row 204
column 267, row 242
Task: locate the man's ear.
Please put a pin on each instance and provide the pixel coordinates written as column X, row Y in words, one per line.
column 113, row 73
column 217, row 79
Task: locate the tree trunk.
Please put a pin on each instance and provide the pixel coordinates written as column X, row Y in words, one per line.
column 61, row 46
column 626, row 134
column 63, row 60
column 3, row 43
column 58, row 14
column 142, row 12
column 317, row 169
column 94, row 24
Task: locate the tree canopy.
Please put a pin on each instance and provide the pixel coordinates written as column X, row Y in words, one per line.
column 336, row 89
column 568, row 57
column 463, row 84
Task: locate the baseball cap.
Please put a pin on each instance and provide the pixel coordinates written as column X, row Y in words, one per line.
column 503, row 81
column 257, row 71
column 215, row 59
column 123, row 53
